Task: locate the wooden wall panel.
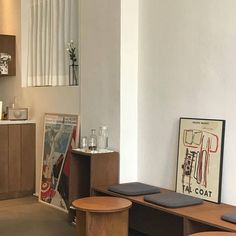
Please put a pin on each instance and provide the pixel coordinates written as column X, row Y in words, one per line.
column 3, row 158
column 14, row 158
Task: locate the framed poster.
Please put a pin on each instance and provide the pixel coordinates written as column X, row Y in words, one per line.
column 200, row 158
column 60, row 136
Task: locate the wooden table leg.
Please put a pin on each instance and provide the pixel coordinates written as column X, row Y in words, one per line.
column 80, row 223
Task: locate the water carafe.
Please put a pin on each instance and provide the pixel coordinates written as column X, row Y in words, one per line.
column 103, row 138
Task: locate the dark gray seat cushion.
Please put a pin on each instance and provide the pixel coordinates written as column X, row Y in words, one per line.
column 134, row 188
column 172, row 199
column 231, row 217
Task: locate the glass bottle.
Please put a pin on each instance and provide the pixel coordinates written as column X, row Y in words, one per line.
column 93, row 140
column 103, row 138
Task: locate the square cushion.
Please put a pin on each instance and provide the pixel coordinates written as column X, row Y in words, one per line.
column 231, row 217
column 172, row 199
column 134, row 188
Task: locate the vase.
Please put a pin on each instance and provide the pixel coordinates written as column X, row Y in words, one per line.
column 73, row 75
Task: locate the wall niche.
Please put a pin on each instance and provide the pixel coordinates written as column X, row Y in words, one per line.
column 7, row 55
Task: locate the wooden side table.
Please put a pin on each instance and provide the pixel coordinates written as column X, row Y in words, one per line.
column 88, row 170
column 103, row 216
column 214, row 233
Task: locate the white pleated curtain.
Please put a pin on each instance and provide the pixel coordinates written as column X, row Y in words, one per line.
column 53, row 24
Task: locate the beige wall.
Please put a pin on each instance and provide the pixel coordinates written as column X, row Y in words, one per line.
column 10, row 24
column 48, row 100
column 39, row 100
column 100, row 73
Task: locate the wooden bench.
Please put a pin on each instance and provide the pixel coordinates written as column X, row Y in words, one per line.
column 214, row 233
column 152, row 219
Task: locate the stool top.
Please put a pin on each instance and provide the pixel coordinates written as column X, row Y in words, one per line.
column 214, row 233
column 102, row 204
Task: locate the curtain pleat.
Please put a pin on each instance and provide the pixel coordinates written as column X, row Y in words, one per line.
column 53, row 24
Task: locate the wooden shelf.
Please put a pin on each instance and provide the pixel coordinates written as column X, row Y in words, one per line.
column 8, row 45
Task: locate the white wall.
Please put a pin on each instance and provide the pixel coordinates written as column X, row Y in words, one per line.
column 187, row 55
column 187, row 68
column 39, row 100
column 100, row 67
column 129, row 90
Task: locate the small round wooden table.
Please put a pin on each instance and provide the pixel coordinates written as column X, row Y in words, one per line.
column 214, row 233
column 103, row 216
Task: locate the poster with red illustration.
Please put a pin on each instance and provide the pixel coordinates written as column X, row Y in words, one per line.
column 60, row 136
column 200, row 158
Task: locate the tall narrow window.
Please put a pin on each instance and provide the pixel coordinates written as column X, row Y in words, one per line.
column 52, row 25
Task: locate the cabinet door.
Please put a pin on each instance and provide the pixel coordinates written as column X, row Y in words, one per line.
column 3, row 158
column 14, row 158
column 28, row 157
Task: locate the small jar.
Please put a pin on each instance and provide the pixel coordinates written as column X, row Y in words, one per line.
column 103, row 138
column 93, row 140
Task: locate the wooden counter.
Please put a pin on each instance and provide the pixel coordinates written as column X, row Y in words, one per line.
column 152, row 219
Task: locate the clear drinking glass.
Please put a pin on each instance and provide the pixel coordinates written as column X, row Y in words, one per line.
column 84, row 143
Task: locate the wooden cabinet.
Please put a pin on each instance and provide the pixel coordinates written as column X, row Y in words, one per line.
column 88, row 170
column 8, row 47
column 3, row 159
column 17, row 160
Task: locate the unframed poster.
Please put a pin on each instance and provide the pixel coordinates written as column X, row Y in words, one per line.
column 60, row 136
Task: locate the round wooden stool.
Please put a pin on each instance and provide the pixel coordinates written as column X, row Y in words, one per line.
column 103, row 216
column 214, row 233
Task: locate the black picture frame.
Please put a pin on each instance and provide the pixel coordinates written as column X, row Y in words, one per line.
column 200, row 158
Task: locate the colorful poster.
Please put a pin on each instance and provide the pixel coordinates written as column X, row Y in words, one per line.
column 60, row 136
column 200, row 158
